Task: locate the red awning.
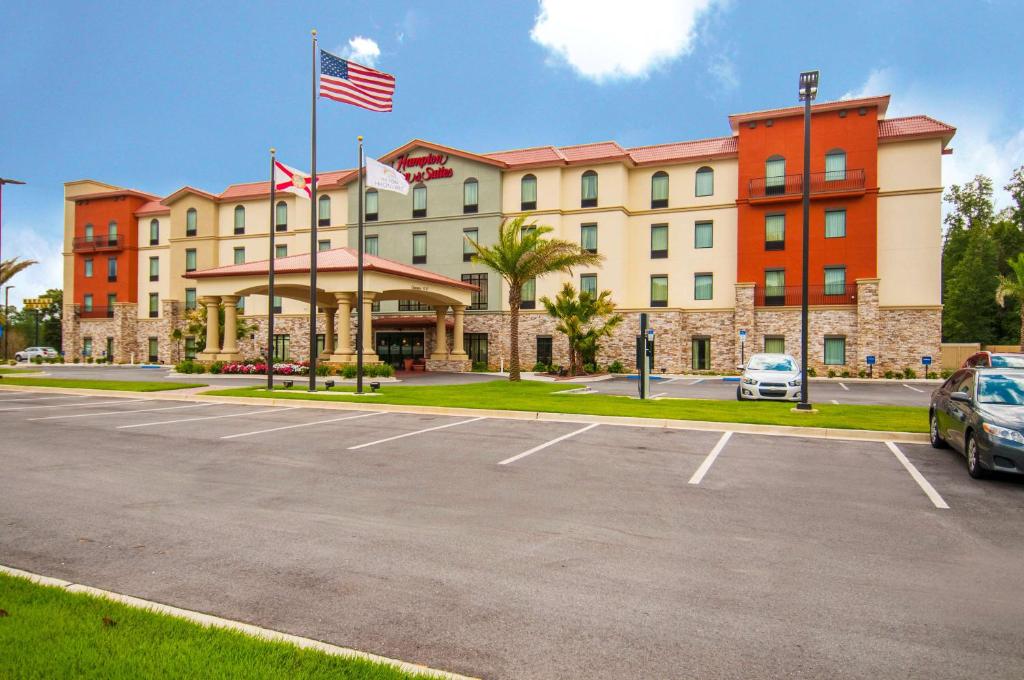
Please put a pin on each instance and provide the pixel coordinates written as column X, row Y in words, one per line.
column 409, row 322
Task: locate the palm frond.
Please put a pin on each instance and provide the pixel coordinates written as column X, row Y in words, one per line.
column 10, row 268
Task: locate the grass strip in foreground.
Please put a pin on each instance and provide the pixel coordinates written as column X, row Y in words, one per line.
column 76, row 383
column 542, row 396
column 12, row 371
column 46, row 632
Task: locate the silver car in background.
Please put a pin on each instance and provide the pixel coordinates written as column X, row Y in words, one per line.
column 770, row 376
column 30, row 353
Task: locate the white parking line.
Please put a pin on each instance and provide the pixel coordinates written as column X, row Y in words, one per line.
column 659, row 394
column 912, row 388
column 228, row 415
column 90, row 403
column 835, row 402
column 115, row 413
column 925, row 485
column 545, row 445
column 289, row 427
column 71, row 396
column 665, row 382
column 410, row 434
column 697, row 381
column 706, row 465
column 843, row 385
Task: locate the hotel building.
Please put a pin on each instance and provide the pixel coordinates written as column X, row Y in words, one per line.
column 704, row 236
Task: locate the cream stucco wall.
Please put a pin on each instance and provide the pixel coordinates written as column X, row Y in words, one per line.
column 682, row 184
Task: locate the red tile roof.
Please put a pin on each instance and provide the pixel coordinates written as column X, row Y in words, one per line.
column 545, row 155
column 718, row 147
column 914, row 127
column 882, row 102
column 236, row 192
column 335, row 260
column 590, row 153
column 153, row 208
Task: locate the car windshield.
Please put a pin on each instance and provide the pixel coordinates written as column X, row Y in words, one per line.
column 1004, row 361
column 767, row 363
column 1001, row 388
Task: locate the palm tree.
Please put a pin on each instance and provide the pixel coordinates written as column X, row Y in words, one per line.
column 522, row 254
column 578, row 318
column 1013, row 286
column 9, row 268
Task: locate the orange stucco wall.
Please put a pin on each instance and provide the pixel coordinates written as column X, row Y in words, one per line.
column 857, row 135
column 99, row 212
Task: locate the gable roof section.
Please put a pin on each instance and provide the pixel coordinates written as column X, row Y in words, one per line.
column 185, row 191
column 132, row 193
column 152, row 208
column 247, row 190
column 914, row 127
column 419, row 143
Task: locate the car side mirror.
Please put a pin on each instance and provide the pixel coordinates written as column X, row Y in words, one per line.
column 960, row 396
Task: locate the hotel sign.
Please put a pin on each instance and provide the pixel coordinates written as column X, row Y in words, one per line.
column 424, row 168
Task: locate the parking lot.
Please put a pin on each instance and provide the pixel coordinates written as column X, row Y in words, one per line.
column 526, row 549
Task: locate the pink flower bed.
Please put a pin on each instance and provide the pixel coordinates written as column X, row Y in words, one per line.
column 261, row 368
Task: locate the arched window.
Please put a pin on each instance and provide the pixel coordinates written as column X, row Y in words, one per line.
column 659, row 190
column 419, row 200
column 528, row 193
column 281, row 216
column 835, row 165
column 775, row 176
column 112, row 233
column 372, row 205
column 323, row 207
column 239, row 219
column 154, row 232
column 588, row 189
column 191, row 222
column 705, row 182
column 470, row 196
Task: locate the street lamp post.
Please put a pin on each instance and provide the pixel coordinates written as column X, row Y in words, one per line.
column 7, row 323
column 808, row 90
column 3, row 181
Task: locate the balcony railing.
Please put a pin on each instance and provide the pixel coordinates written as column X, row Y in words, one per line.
column 790, row 296
column 97, row 313
column 104, row 242
column 821, row 183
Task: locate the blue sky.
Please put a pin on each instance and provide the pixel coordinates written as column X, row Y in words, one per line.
column 158, row 95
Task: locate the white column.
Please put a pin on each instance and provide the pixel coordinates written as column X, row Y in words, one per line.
column 458, row 351
column 230, row 350
column 440, row 339
column 212, row 328
column 343, row 351
column 369, row 353
column 329, row 313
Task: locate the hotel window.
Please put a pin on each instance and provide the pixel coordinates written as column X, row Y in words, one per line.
column 775, row 344
column 88, row 267
column 476, row 347
column 278, row 304
column 527, row 230
column 190, row 298
column 239, row 219
column 111, row 299
column 419, row 248
column 470, row 196
column 322, row 245
column 774, row 232
column 112, row 233
column 835, row 280
column 154, row 269
column 154, row 232
column 413, row 306
column 659, row 241
column 703, row 286
column 588, row 237
column 775, row 287
column 87, row 303
column 281, row 216
column 705, row 182
column 775, row 176
column 323, row 208
column 419, row 201
column 659, row 290
column 190, row 347
column 370, row 245
column 191, row 222
column 700, row 350
column 659, row 190
column 835, row 165
column 89, row 236
column 588, row 284
column 282, row 343
column 281, row 250
column 835, row 350
column 111, row 269
column 240, row 305
column 87, row 347
column 154, row 305
column 544, row 347
column 190, row 260
column 703, row 235
column 528, row 193
column 154, row 350
column 371, row 205
column 479, row 299
column 469, row 236
column 239, row 254
column 588, row 189
column 528, row 295
column 835, row 223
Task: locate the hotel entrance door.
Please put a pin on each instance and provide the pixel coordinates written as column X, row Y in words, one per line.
column 393, row 348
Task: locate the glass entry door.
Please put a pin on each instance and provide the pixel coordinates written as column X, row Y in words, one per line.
column 394, row 348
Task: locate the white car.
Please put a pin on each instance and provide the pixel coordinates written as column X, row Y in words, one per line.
column 30, row 353
column 770, row 376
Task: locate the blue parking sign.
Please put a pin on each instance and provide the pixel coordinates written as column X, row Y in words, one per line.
column 927, row 361
column 871, row 360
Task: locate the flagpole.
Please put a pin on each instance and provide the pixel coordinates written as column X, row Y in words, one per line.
column 270, row 285
column 312, row 234
column 359, row 279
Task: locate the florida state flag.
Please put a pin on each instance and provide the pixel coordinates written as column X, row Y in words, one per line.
column 290, row 179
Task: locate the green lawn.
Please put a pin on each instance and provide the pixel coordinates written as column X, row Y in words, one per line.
column 540, row 396
column 47, row 632
column 122, row 385
column 10, row 371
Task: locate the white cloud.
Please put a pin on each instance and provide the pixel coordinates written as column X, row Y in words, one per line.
column 609, row 39
column 28, row 243
column 362, row 50
column 723, row 68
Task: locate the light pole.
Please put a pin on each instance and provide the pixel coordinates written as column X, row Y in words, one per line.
column 808, row 90
column 3, row 181
column 7, row 324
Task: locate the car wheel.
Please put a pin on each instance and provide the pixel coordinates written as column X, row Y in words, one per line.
column 974, row 468
column 933, row 433
column 739, row 394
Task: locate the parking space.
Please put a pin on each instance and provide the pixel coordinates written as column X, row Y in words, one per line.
column 514, row 548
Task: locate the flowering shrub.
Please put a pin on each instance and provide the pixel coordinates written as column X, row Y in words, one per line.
column 260, row 368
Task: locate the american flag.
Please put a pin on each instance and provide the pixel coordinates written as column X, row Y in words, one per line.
column 352, row 83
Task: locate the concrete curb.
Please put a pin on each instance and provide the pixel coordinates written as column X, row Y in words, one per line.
column 211, row 621
column 629, row 421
